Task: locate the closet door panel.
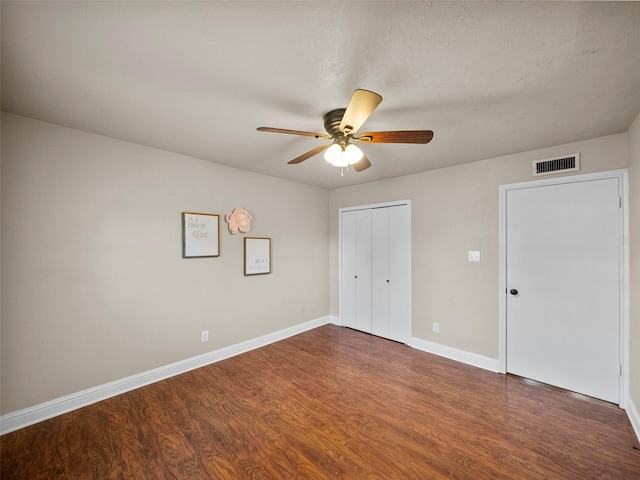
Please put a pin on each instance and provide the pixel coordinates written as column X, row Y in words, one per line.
column 363, row 270
column 399, row 254
column 380, row 271
column 348, row 245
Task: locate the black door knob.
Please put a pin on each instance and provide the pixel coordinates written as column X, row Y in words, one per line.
column 513, row 291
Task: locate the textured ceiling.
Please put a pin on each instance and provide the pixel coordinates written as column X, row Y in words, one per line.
column 197, row 78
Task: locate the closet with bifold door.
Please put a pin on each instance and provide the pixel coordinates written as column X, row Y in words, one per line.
column 375, row 259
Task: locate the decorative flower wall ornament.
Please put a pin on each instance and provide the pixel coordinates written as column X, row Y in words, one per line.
column 238, row 220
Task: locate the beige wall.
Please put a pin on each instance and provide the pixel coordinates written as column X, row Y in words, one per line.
column 634, row 241
column 94, row 288
column 455, row 210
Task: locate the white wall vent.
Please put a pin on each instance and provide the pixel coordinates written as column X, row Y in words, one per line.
column 564, row 163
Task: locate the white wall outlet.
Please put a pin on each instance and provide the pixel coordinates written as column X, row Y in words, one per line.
column 204, row 336
column 474, row 256
column 436, row 327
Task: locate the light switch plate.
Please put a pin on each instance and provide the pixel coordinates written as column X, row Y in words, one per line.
column 474, row 256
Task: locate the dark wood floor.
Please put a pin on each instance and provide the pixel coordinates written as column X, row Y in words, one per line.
column 332, row 403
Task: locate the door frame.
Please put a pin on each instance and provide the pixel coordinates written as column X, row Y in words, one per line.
column 410, row 275
column 622, row 176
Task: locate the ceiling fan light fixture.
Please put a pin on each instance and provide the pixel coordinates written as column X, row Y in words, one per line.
column 341, row 162
column 352, row 154
column 338, row 156
column 334, row 155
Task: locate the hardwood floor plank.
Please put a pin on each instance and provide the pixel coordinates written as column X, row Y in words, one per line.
column 332, row 403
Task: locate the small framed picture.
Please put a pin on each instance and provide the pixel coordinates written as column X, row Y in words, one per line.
column 257, row 256
column 200, row 235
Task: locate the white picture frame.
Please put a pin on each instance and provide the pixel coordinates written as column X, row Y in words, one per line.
column 200, row 235
column 257, row 256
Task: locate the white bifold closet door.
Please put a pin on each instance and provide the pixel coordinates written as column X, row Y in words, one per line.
column 376, row 258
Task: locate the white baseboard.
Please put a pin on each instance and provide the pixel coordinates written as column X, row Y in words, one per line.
column 634, row 417
column 451, row 353
column 38, row 413
column 28, row 416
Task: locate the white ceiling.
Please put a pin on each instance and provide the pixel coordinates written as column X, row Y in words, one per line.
column 197, row 78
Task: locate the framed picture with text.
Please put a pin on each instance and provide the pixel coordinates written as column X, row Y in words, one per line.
column 257, row 256
column 200, row 235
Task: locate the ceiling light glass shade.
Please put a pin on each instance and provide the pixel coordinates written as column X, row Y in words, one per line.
column 341, row 161
column 352, row 154
column 333, row 154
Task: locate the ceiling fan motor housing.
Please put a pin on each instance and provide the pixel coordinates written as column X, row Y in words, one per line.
column 332, row 121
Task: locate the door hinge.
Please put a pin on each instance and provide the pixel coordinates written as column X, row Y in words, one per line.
column 620, row 370
column 620, row 202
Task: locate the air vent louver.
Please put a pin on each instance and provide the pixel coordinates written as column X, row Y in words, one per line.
column 565, row 163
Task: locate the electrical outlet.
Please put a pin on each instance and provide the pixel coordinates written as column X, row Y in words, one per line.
column 204, row 336
column 436, row 327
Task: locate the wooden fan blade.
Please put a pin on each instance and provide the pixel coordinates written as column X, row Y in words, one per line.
column 293, row 132
column 361, row 164
column 361, row 106
column 399, row 136
column 309, row 154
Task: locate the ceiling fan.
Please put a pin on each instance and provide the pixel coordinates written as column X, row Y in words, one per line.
column 343, row 124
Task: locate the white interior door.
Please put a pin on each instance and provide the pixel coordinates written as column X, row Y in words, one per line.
column 563, row 285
